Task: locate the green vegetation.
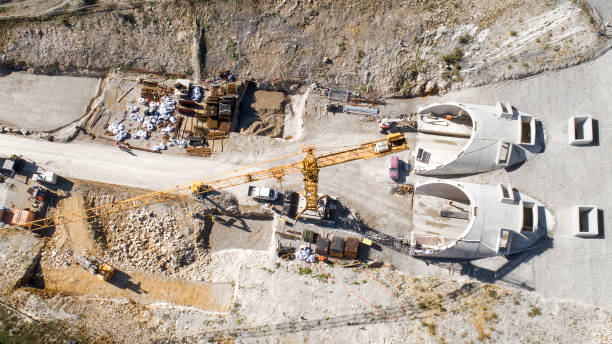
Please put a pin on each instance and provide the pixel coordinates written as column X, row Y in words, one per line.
column 464, row 39
column 304, row 271
column 360, row 55
column 64, row 21
column 513, row 33
column 535, row 311
column 322, row 277
column 431, row 327
column 453, row 56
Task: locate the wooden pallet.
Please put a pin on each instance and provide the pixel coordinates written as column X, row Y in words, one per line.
column 199, row 151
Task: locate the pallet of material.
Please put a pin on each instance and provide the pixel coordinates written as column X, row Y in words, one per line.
column 212, row 135
column 149, row 83
column 216, row 92
column 198, row 151
column 185, row 110
column 351, row 248
column 211, row 110
column 186, row 102
column 224, row 126
column 95, row 118
column 322, row 248
column 212, row 123
column 231, row 88
column 225, row 109
column 336, row 248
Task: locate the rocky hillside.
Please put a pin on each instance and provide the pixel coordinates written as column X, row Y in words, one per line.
column 403, row 48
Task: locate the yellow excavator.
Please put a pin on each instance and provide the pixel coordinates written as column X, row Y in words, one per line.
column 309, row 167
column 96, row 266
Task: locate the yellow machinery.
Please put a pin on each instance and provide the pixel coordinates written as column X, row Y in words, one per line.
column 105, row 271
column 309, row 167
column 96, row 266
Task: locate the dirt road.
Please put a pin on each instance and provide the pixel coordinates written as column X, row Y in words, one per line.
column 140, row 287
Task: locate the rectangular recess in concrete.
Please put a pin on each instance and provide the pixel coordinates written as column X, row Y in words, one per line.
column 580, row 130
column 506, row 193
column 529, row 217
column 527, row 130
column 504, row 242
column 585, row 221
column 504, row 153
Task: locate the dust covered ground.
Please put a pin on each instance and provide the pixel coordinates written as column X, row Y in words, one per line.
column 319, row 303
column 208, row 284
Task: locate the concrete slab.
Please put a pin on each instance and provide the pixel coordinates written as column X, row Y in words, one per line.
column 561, row 177
column 42, row 102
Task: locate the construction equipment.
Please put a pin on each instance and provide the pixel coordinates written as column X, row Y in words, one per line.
column 309, row 167
column 96, row 266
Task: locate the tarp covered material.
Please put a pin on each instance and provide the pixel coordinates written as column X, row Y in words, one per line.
column 196, row 93
column 160, row 146
column 118, row 129
column 141, row 134
column 305, row 253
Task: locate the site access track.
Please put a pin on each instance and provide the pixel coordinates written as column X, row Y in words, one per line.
column 309, row 168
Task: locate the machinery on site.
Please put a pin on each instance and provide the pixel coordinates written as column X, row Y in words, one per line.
column 45, row 177
column 96, row 266
column 262, row 194
column 387, row 124
column 309, row 167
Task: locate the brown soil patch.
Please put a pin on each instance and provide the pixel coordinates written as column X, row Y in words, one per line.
column 139, row 287
column 263, row 113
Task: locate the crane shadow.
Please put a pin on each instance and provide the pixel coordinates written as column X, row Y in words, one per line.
column 357, row 319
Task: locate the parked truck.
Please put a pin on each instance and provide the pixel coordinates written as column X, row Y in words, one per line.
column 261, row 193
column 45, row 177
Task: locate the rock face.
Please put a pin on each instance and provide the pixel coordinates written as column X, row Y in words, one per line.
column 19, row 254
column 400, row 48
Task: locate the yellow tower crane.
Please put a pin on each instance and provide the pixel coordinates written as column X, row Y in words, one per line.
column 309, row 167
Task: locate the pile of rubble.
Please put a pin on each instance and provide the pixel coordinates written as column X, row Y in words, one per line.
column 148, row 242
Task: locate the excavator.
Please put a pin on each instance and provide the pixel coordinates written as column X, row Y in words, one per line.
column 308, row 167
column 96, row 266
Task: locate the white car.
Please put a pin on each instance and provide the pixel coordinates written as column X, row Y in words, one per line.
column 261, row 193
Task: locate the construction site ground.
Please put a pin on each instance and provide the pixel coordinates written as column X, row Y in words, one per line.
column 186, row 276
column 545, row 101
